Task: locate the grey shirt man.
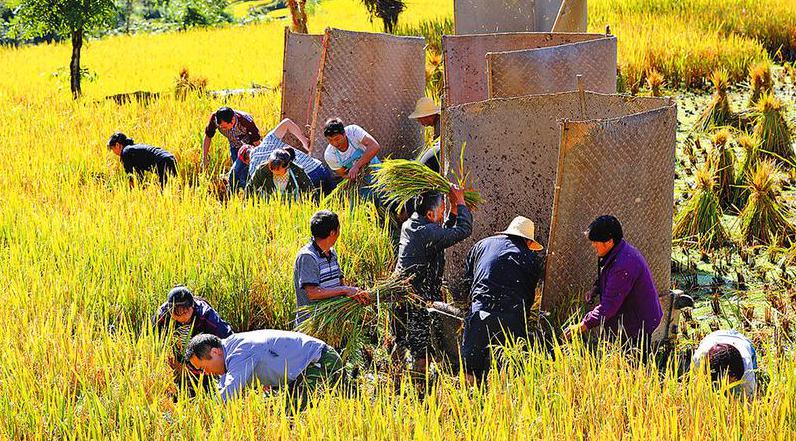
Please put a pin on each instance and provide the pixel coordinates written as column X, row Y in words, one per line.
column 313, row 267
column 272, row 357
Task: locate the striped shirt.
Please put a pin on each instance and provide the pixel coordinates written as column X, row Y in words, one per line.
column 314, row 268
column 270, row 143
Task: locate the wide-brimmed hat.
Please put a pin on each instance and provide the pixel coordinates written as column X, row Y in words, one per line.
column 525, row 228
column 425, row 107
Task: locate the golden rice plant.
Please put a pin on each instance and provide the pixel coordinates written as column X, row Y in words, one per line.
column 723, row 163
column 655, row 82
column 760, row 81
column 699, row 222
column 719, row 112
column 772, row 129
column 765, row 219
column 401, row 180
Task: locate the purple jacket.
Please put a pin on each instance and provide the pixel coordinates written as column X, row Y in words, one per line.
column 627, row 293
column 205, row 320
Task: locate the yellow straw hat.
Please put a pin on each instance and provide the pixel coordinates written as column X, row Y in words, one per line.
column 425, row 107
column 525, row 228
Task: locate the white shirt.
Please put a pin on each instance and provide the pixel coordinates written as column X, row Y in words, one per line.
column 337, row 159
column 739, row 342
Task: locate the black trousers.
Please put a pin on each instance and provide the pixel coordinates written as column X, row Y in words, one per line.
column 166, row 168
column 483, row 329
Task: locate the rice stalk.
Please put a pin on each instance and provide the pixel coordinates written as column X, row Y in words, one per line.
column 772, row 129
column 719, row 112
column 401, row 180
column 723, row 162
column 344, row 322
column 760, row 81
column 699, row 222
column 765, row 218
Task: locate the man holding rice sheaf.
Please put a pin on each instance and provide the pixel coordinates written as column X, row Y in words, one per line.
column 421, row 256
column 316, row 274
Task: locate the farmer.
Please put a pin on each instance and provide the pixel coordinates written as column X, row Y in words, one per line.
column 239, row 129
column 729, row 354
column 316, row 273
column 319, row 175
column 187, row 316
column 269, row 357
column 421, row 255
column 427, row 115
column 140, row 158
column 628, row 300
column 280, row 175
column 351, row 149
column 502, row 272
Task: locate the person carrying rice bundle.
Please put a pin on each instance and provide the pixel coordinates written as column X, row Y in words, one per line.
column 421, row 256
column 316, row 273
column 350, row 152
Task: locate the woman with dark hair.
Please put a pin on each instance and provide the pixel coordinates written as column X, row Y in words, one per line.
column 280, row 174
column 141, row 158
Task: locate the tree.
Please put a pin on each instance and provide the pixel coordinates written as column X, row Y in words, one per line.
column 71, row 19
column 298, row 12
column 386, row 10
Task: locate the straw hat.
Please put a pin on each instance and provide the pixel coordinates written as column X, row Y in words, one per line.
column 425, row 107
column 523, row 227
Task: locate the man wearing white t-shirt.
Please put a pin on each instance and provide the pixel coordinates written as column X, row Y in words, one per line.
column 729, row 354
column 350, row 148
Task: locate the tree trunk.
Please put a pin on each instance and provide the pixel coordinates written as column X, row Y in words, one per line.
column 74, row 65
column 299, row 15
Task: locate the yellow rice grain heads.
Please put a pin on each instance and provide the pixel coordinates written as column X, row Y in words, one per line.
column 698, row 224
column 760, row 81
column 718, row 113
column 723, row 164
column 772, row 129
column 765, row 219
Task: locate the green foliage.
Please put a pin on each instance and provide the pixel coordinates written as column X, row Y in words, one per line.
column 193, row 13
column 386, row 10
column 34, row 18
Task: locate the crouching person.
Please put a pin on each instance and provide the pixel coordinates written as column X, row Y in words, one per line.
column 269, row 357
column 628, row 300
column 138, row 159
column 187, row 316
column 502, row 272
column 280, row 175
column 729, row 355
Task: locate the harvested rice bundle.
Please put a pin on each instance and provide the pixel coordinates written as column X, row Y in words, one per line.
column 751, row 148
column 765, row 219
column 342, row 321
column 718, row 113
column 655, row 82
column 400, row 180
column 772, row 129
column 760, row 81
column 699, row 222
column 723, row 162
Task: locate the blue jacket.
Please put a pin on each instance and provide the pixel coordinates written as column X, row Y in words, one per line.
column 501, row 273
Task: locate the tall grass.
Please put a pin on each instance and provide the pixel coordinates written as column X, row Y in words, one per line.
column 84, row 261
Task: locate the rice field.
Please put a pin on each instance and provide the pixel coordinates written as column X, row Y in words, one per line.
column 84, row 260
